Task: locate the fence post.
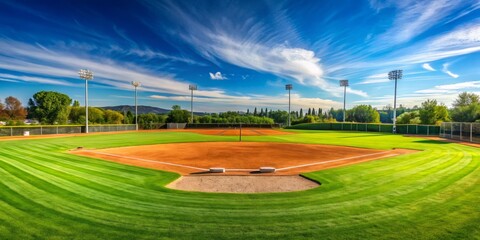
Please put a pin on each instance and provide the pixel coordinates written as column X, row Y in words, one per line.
column 57, row 129
column 461, row 131
column 407, row 128
column 428, row 130
column 11, row 131
column 416, row 129
column 471, row 132
column 41, row 130
column 451, row 130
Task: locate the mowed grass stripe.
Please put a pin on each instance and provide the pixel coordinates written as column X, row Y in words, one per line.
column 288, row 215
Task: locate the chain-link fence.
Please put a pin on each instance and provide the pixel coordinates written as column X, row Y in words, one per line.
column 60, row 129
column 372, row 127
column 469, row 132
column 231, row 125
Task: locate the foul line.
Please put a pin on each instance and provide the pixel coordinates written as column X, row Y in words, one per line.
column 336, row 160
column 146, row 160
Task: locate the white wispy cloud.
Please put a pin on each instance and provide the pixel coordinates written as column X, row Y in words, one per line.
column 414, row 17
column 376, row 78
column 20, row 78
column 427, row 66
column 217, row 76
column 449, row 88
column 445, row 70
column 254, row 45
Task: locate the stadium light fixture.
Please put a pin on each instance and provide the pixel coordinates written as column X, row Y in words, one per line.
column 289, row 87
column 192, row 88
column 344, row 84
column 136, row 85
column 395, row 75
column 86, row 75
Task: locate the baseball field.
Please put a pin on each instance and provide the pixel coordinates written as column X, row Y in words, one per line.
column 418, row 189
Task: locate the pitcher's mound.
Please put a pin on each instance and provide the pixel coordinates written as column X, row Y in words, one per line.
column 242, row 184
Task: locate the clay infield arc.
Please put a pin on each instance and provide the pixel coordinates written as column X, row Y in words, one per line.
column 240, row 158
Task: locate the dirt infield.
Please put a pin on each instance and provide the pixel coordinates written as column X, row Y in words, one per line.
column 239, row 158
column 242, row 184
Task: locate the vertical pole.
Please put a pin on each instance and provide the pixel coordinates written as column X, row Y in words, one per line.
column 136, row 110
column 471, row 132
column 344, row 102
column 451, row 130
column 86, row 106
column 428, row 130
column 395, row 108
column 11, row 131
column 289, row 120
column 461, row 131
column 191, row 105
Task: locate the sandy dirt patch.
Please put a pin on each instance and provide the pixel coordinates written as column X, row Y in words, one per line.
column 242, row 184
column 240, row 158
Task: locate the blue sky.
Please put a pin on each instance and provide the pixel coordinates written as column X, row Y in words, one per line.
column 241, row 53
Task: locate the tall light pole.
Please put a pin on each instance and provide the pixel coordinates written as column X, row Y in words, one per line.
column 192, row 88
column 86, row 75
column 395, row 75
column 344, row 84
column 136, row 85
column 289, row 87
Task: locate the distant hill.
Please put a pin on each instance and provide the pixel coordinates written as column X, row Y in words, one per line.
column 143, row 109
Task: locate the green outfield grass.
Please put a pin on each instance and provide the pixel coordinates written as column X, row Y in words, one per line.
column 48, row 193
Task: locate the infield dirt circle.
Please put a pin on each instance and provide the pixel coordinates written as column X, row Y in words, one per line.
column 239, row 158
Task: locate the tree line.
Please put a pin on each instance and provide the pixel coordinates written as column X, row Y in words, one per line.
column 49, row 107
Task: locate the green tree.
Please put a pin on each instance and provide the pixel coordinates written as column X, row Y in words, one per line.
column 466, row 108
column 466, row 99
column 363, row 113
column 301, row 113
column 433, row 113
column 77, row 115
column 255, row 112
column 76, row 103
column 113, row 117
column 96, row 115
column 409, row 118
column 177, row 115
column 50, row 107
